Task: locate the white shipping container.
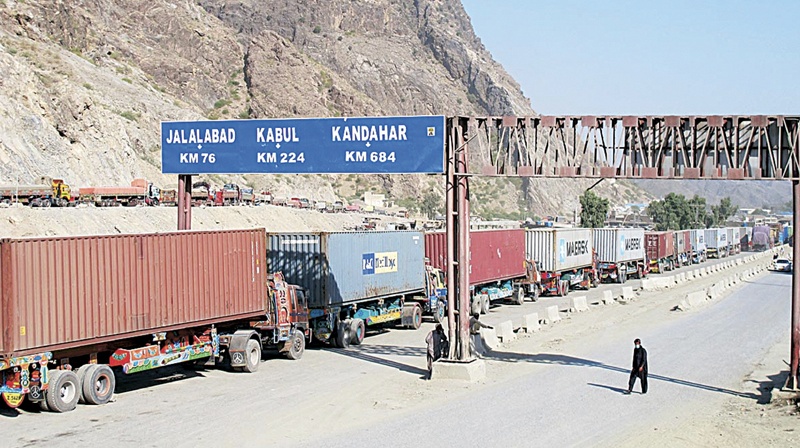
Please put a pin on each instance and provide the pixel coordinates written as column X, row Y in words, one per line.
column 716, row 239
column 556, row 250
column 731, row 236
column 618, row 245
column 698, row 240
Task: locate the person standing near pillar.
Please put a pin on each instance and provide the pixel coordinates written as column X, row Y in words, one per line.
column 639, row 369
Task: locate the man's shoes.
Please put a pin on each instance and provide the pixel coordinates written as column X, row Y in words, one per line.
column 627, row 392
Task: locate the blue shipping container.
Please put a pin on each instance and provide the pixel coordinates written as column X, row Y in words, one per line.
column 349, row 267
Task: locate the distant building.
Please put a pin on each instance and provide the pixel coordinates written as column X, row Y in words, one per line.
column 374, row 199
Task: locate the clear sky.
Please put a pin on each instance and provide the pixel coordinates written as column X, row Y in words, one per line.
column 677, row 57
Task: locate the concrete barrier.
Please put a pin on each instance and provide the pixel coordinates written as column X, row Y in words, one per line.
column 649, row 284
column 608, row 297
column 505, row 331
column 578, row 304
column 489, row 336
column 531, row 323
column 696, row 273
column 552, row 314
column 703, row 272
column 697, row 298
column 472, row 371
column 627, row 293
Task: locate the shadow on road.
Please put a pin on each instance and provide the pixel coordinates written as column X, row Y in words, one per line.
column 364, row 353
column 564, row 360
column 611, row 388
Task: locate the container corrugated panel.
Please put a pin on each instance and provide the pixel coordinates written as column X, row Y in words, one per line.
column 698, row 240
column 556, row 250
column 494, row 254
column 348, row 267
column 68, row 292
column 716, row 238
column 618, row 245
column 659, row 245
column 731, row 235
column 683, row 241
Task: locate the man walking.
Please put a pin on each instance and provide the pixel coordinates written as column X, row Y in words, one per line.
column 437, row 341
column 639, row 369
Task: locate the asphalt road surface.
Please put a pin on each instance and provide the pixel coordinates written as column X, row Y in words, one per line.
column 561, row 386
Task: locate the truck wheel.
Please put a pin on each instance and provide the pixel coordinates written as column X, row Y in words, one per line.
column 252, row 356
column 298, row 346
column 98, row 384
column 440, row 312
column 357, row 331
column 486, row 303
column 343, row 334
column 416, row 318
column 81, row 372
column 519, row 298
column 63, row 391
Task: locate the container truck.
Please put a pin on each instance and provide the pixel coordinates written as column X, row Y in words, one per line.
column 734, row 243
column 699, row 249
column 358, row 280
column 660, row 249
column 78, row 312
column 761, row 238
column 563, row 258
column 139, row 192
column 620, row 254
column 497, row 270
column 683, row 247
column 746, row 238
column 716, row 243
column 49, row 192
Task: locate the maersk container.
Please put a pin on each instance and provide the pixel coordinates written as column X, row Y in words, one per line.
column 716, row 239
column 732, row 236
column 494, row 254
column 338, row 268
column 619, row 245
column 698, row 237
column 69, row 292
column 558, row 250
column 683, row 241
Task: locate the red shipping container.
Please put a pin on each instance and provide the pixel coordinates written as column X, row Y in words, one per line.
column 659, row 245
column 494, row 254
column 111, row 191
column 60, row 293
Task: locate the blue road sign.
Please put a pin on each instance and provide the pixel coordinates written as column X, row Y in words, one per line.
column 306, row 145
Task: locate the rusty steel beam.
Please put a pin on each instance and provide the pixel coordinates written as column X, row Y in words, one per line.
column 758, row 147
column 793, row 382
column 184, row 202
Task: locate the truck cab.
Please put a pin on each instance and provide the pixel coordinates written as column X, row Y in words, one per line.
column 285, row 325
column 436, row 293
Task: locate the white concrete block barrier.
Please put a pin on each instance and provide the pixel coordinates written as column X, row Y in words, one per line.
column 530, row 323
column 505, row 331
column 489, row 336
column 578, row 304
column 696, row 298
column 627, row 293
column 552, row 314
column 608, row 297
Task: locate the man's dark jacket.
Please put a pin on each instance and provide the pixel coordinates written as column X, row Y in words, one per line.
column 639, row 359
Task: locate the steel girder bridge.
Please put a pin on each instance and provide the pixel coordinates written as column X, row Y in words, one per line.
column 716, row 147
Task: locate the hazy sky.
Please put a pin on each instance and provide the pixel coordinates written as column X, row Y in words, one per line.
column 678, row 57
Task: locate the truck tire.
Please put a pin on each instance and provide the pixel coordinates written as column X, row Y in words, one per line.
column 486, row 303
column 343, row 335
column 63, row 391
column 81, row 372
column 98, row 384
column 416, row 318
column 519, row 296
column 440, row 313
column 252, row 356
column 298, row 346
column 357, row 331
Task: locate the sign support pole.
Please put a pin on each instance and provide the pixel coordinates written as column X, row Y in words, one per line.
column 793, row 382
column 463, row 242
column 450, row 220
column 184, row 202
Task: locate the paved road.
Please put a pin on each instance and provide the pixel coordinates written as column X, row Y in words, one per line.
column 576, row 398
column 376, row 390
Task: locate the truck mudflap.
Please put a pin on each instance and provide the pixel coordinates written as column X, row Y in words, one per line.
column 23, row 376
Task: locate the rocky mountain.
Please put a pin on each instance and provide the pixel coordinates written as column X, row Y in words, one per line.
column 86, row 83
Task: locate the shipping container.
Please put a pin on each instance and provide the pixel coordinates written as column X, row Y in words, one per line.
column 683, row 242
column 761, row 238
column 557, row 250
column 494, row 254
column 619, row 245
column 348, row 267
column 717, row 242
column 70, row 291
column 732, row 238
column 659, row 245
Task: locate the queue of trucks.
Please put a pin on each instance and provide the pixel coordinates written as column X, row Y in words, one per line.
column 76, row 309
